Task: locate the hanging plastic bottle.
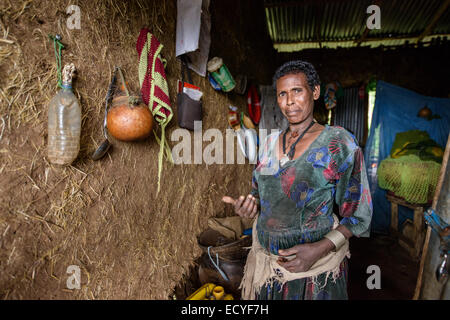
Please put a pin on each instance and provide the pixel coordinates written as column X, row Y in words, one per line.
column 64, row 122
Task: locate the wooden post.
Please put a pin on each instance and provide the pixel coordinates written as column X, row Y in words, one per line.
column 428, row 235
column 394, row 216
column 418, row 225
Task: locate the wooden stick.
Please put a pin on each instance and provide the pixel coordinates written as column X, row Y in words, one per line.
column 435, row 199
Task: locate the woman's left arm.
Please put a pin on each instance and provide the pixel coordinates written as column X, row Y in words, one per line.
column 353, row 198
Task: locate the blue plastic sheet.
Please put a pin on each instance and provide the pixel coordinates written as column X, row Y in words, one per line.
column 396, row 111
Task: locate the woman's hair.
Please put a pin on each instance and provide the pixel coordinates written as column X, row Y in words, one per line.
column 298, row 66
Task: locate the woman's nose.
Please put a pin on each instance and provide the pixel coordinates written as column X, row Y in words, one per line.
column 290, row 98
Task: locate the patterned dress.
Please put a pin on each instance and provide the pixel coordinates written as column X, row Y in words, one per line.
column 297, row 199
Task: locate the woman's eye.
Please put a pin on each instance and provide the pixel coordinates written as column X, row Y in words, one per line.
column 282, row 94
column 298, row 90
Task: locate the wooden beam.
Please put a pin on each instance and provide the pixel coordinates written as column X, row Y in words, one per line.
column 363, row 37
column 411, row 37
column 433, row 21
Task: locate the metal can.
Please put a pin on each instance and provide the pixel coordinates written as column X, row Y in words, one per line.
column 221, row 74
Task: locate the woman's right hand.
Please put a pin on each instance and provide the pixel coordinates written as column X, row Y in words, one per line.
column 246, row 207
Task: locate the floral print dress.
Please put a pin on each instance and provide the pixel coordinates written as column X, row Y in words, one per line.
column 297, row 199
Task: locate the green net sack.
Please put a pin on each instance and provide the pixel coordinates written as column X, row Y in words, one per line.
column 409, row 177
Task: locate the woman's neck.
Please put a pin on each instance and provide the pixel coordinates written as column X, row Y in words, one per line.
column 301, row 126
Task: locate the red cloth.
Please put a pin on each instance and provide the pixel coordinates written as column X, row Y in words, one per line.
column 159, row 67
column 254, row 107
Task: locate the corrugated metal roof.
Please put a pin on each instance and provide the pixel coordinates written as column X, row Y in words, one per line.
column 303, row 24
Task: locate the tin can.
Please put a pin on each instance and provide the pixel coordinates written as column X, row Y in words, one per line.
column 221, row 74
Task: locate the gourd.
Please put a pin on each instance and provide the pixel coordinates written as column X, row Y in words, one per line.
column 129, row 119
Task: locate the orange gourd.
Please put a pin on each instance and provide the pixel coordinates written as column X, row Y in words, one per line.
column 129, row 119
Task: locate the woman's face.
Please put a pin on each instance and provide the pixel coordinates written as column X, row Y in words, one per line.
column 295, row 97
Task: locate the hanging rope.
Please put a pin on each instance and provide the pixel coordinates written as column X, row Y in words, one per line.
column 57, row 45
column 216, row 264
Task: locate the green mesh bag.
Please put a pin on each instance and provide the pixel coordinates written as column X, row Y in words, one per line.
column 409, row 177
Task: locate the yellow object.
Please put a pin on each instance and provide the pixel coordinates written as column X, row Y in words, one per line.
column 400, row 151
column 409, row 177
column 218, row 292
column 438, row 152
column 203, row 292
column 209, row 291
column 248, row 122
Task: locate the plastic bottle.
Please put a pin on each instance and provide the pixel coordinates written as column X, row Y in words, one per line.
column 64, row 122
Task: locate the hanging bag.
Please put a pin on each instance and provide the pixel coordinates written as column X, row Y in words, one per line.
column 188, row 109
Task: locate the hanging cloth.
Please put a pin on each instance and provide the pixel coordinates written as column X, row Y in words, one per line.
column 333, row 91
column 330, row 95
column 154, row 89
column 254, row 106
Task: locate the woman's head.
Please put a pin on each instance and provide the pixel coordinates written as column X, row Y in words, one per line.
column 297, row 86
column 298, row 66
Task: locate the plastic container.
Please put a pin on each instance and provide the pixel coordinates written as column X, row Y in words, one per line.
column 209, row 291
column 221, row 74
column 64, row 123
column 218, row 292
column 204, row 292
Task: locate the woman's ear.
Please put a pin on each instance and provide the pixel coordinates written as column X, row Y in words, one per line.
column 316, row 92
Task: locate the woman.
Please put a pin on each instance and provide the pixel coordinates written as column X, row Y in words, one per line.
column 300, row 248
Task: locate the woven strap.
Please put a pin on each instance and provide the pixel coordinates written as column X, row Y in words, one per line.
column 154, row 89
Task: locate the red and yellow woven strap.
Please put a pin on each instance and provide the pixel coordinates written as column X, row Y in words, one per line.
column 154, row 89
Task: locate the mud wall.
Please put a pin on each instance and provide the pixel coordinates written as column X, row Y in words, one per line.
column 106, row 217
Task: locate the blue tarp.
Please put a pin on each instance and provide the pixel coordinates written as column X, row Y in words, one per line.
column 396, row 111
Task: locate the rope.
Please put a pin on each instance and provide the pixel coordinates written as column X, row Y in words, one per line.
column 216, row 265
column 57, row 43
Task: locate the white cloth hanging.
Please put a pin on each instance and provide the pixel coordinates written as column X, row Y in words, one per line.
column 193, row 33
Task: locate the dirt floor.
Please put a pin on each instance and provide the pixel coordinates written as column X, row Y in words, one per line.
column 398, row 271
